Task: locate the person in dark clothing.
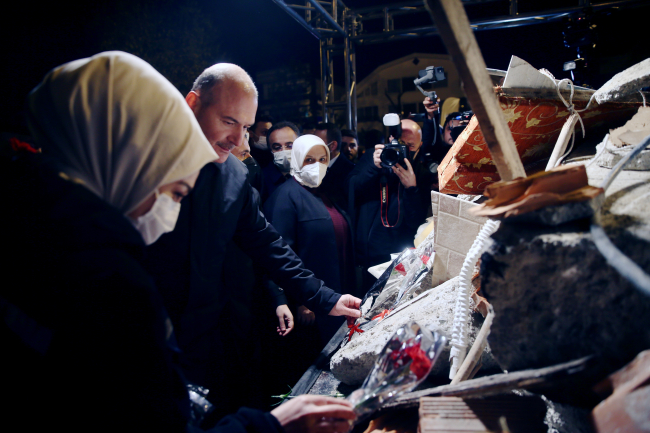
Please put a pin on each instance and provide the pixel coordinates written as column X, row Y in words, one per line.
column 350, row 145
column 223, row 206
column 259, row 140
column 313, row 226
column 281, row 137
column 243, row 153
column 334, row 185
column 384, row 228
column 86, row 337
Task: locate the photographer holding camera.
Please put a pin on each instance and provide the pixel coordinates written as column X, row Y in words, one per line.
column 389, row 195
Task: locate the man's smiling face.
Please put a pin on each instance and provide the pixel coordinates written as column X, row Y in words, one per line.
column 227, row 116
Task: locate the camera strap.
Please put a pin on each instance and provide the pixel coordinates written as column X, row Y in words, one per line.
column 383, row 199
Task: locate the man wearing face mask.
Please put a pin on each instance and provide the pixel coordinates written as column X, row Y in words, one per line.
column 224, row 206
column 258, row 141
column 334, row 185
column 384, row 228
column 280, row 141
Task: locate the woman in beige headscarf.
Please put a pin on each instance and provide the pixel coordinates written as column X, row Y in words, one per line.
column 86, row 341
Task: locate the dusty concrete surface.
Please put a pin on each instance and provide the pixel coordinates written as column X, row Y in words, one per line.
column 352, row 363
column 624, row 83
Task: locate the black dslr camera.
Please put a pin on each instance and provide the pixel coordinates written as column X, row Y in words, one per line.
column 464, row 118
column 430, row 75
column 393, row 152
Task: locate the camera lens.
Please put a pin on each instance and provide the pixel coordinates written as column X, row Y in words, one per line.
column 389, row 157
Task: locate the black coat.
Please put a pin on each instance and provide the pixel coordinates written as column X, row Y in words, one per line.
column 223, row 207
column 433, row 149
column 406, row 210
column 302, row 219
column 273, row 178
column 334, row 183
column 86, row 340
column 304, row 222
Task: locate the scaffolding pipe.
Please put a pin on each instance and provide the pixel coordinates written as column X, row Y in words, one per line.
column 323, row 79
column 346, row 60
column 298, row 18
column 327, row 17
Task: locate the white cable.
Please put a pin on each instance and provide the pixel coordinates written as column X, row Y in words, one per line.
column 459, row 338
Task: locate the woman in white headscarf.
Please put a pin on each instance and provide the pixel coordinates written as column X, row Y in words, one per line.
column 86, row 340
column 312, row 224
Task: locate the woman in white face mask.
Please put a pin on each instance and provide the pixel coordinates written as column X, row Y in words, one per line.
column 312, row 225
column 120, row 148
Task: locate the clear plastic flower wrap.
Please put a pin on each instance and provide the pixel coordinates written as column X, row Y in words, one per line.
column 404, row 362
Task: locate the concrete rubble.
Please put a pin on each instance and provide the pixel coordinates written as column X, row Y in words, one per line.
column 622, row 84
column 434, row 309
column 620, row 142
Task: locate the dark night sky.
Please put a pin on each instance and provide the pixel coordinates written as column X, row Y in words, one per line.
column 182, row 37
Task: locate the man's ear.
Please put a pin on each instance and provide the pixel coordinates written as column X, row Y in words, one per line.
column 334, row 146
column 193, row 100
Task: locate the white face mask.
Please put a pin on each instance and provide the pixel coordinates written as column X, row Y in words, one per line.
column 311, row 175
column 282, row 160
column 261, row 143
column 160, row 219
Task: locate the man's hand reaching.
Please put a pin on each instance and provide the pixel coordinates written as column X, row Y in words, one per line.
column 347, row 305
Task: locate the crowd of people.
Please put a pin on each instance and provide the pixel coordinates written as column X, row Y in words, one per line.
column 149, row 258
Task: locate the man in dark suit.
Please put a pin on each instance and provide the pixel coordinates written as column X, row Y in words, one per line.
column 334, row 185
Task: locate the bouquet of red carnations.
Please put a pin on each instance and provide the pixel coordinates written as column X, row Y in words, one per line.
column 404, row 362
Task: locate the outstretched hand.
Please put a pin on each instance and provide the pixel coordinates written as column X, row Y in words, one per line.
column 315, row 413
column 285, row 319
column 347, row 305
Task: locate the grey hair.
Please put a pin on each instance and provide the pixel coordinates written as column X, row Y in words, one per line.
column 218, row 74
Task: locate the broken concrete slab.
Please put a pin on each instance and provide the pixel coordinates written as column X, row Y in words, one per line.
column 634, row 130
column 624, row 83
column 435, row 309
column 555, row 297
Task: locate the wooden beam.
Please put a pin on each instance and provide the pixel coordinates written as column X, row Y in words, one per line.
column 452, row 23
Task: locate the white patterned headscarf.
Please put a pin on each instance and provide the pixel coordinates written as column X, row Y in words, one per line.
column 301, row 147
column 117, row 125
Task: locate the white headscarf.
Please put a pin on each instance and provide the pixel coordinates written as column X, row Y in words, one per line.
column 113, row 122
column 300, row 149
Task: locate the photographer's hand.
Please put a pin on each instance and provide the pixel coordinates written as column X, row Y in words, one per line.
column 406, row 175
column 375, row 156
column 431, row 107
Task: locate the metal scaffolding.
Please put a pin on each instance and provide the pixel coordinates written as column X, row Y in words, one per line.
column 332, row 21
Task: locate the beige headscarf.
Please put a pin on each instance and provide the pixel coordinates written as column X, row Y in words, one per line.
column 113, row 122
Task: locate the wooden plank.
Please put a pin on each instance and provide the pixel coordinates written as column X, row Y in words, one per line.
column 500, row 383
column 453, row 25
column 454, row 414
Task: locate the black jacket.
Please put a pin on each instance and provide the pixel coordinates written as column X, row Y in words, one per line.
column 334, row 183
column 86, row 340
column 406, row 211
column 223, row 207
column 305, row 224
column 273, row 178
